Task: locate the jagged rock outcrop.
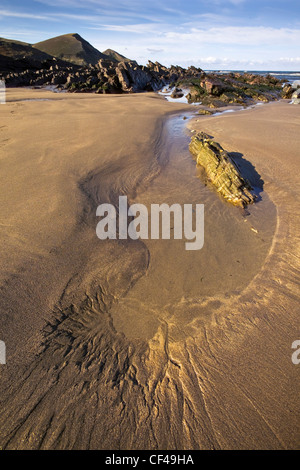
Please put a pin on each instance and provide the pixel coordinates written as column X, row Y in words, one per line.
column 221, row 170
column 133, row 77
column 292, row 91
column 213, row 86
column 296, row 96
column 177, row 93
column 216, row 90
column 287, row 91
column 157, row 67
column 110, row 76
column 205, row 112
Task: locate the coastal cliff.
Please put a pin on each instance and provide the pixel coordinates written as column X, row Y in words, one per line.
column 70, row 63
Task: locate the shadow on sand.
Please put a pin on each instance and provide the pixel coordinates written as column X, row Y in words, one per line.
column 248, row 171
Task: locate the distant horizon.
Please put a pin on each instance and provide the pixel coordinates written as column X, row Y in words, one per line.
column 211, row 34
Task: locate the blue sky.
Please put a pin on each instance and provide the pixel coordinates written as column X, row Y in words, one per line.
column 212, row 34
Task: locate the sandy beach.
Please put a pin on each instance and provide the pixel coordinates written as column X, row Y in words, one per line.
column 124, row 344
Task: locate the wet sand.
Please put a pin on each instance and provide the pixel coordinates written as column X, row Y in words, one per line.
column 142, row 344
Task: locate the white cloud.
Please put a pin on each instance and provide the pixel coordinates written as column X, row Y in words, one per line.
column 155, row 51
column 291, row 60
column 22, row 34
column 236, row 2
column 14, row 14
column 226, row 2
column 75, row 3
column 226, row 63
column 143, row 28
column 249, row 36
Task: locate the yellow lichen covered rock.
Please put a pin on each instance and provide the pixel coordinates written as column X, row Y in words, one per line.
column 221, row 170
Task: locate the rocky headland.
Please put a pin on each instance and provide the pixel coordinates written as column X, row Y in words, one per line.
column 71, row 64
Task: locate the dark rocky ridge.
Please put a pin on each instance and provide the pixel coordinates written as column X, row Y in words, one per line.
column 16, row 56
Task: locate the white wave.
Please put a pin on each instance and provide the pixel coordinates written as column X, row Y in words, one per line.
column 226, row 111
column 167, row 92
column 38, row 99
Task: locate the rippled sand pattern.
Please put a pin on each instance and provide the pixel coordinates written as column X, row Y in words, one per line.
column 141, row 344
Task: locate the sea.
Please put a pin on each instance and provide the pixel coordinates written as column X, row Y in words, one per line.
column 288, row 76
